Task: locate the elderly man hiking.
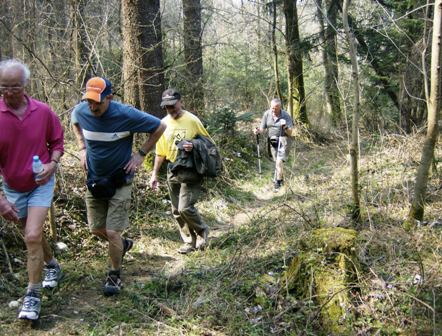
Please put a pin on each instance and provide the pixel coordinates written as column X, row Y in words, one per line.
column 279, row 125
column 29, row 128
column 104, row 130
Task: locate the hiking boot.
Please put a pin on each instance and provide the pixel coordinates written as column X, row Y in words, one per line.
column 52, row 276
column 186, row 248
column 127, row 246
column 31, row 307
column 113, row 283
column 277, row 185
column 203, row 240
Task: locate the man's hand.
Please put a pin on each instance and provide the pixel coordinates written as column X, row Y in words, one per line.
column 257, row 130
column 134, row 163
column 188, row 146
column 48, row 170
column 8, row 210
column 154, row 182
column 282, row 122
column 83, row 160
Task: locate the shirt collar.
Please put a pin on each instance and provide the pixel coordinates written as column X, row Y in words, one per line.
column 31, row 105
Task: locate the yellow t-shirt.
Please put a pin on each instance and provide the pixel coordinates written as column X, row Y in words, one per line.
column 184, row 128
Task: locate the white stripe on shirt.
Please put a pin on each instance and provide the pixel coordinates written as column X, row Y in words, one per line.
column 105, row 136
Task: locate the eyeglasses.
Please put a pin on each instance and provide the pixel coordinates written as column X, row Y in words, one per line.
column 13, row 89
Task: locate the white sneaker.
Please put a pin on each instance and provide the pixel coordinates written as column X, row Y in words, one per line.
column 31, row 307
column 52, row 276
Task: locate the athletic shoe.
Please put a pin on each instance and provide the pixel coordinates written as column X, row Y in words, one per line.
column 203, row 240
column 113, row 283
column 277, row 185
column 186, row 248
column 31, row 307
column 52, row 276
column 127, row 246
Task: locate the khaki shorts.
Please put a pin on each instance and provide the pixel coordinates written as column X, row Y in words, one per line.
column 111, row 214
column 283, row 151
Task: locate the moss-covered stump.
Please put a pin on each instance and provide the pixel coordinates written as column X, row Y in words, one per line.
column 332, row 240
column 327, row 259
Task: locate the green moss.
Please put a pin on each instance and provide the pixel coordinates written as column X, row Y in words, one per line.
column 330, row 284
column 333, row 239
column 290, row 276
column 328, row 257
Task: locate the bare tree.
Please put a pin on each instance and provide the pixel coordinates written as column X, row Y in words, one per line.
column 354, row 130
column 143, row 76
column 6, row 47
column 296, row 95
column 433, row 106
column 326, row 11
column 193, row 54
column 275, row 50
column 79, row 42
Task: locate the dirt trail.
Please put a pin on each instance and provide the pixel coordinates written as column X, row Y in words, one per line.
column 66, row 311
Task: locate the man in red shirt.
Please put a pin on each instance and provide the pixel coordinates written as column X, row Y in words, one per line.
column 29, row 127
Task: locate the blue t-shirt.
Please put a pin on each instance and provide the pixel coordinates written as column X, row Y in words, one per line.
column 109, row 137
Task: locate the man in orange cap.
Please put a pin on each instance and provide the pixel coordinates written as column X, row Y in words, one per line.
column 104, row 130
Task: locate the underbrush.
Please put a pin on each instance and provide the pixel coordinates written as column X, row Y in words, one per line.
column 236, row 286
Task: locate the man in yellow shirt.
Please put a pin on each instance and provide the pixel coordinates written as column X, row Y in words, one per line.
column 181, row 126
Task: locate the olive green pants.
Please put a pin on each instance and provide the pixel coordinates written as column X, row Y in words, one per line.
column 183, row 197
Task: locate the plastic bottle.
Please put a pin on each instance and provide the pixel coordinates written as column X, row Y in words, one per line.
column 37, row 166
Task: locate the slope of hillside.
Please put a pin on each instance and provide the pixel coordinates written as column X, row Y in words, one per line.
column 235, row 287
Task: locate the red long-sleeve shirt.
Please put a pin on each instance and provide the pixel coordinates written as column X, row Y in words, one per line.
column 39, row 132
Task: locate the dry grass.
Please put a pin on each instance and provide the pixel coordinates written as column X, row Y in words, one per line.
column 233, row 288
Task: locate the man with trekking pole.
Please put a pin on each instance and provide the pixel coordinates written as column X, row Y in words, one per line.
column 279, row 125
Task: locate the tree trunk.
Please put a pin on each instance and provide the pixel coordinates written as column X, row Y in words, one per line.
column 193, row 55
column 433, row 106
column 296, row 96
column 152, row 74
column 131, row 51
column 275, row 52
column 143, row 76
column 6, row 48
column 354, row 130
column 328, row 38
column 81, row 52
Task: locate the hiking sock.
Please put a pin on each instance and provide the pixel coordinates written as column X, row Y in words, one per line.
column 52, row 263
column 36, row 288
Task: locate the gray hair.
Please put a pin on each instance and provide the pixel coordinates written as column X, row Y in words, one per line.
column 276, row 101
column 15, row 63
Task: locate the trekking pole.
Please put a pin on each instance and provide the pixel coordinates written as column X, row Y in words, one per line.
column 259, row 153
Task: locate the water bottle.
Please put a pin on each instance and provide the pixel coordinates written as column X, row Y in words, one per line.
column 37, row 167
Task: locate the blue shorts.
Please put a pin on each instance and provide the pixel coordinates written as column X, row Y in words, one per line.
column 39, row 197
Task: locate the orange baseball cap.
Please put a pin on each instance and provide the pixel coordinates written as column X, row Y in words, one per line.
column 97, row 88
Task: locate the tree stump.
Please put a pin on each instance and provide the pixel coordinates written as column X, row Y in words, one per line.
column 327, row 261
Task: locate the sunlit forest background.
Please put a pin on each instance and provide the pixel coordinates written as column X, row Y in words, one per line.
column 352, row 245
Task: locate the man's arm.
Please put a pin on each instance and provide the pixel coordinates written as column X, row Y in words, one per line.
column 81, row 143
column 138, row 158
column 288, row 124
column 153, row 138
column 263, row 125
column 156, row 168
column 8, row 210
column 49, row 168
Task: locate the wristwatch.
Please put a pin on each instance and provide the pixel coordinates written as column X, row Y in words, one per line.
column 142, row 153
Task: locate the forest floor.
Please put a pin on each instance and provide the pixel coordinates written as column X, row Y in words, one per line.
column 234, row 286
